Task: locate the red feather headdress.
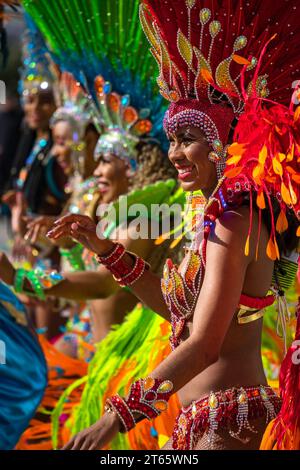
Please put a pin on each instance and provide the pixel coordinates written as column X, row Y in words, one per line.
column 198, row 43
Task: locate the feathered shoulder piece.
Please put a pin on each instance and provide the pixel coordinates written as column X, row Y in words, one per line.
column 265, row 160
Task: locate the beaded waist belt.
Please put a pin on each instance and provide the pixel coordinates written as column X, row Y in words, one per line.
column 227, row 409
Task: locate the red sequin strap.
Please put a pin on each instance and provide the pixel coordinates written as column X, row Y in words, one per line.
column 256, row 302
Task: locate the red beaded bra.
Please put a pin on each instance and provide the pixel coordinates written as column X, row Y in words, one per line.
column 181, row 288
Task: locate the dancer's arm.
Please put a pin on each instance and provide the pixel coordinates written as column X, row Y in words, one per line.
column 222, row 286
column 88, row 285
column 100, row 284
column 147, row 288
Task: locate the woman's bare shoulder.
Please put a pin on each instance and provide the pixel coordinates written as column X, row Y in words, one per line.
column 233, row 223
column 234, row 227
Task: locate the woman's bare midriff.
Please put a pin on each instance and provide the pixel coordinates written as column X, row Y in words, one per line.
column 110, row 311
column 239, row 364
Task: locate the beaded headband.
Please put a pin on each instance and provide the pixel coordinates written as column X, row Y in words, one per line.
column 213, row 120
column 120, row 144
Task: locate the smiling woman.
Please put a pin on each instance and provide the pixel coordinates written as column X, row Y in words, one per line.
column 217, row 296
column 189, row 153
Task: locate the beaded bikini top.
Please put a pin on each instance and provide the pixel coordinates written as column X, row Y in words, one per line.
column 181, row 288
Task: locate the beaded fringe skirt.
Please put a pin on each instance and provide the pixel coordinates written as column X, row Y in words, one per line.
column 229, row 409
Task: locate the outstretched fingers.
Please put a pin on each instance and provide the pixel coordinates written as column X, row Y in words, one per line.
column 69, row 218
column 62, row 230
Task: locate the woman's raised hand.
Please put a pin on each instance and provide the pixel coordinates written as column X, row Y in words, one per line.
column 37, row 227
column 83, row 229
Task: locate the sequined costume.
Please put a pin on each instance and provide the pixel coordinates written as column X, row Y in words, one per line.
column 201, row 80
column 216, row 74
column 222, row 409
column 229, row 409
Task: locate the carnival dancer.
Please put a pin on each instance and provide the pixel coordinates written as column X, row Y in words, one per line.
column 62, row 371
column 115, row 171
column 215, row 300
column 129, row 77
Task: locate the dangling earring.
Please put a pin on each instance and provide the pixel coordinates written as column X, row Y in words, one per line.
column 218, row 157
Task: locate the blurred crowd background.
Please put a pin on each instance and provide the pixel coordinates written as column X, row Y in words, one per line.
column 11, row 115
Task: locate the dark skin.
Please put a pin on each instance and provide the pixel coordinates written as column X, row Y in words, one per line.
column 112, row 174
column 188, row 152
column 220, row 353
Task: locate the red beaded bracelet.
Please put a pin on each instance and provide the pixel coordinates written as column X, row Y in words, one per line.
column 117, row 404
column 124, row 274
column 113, row 257
column 147, row 397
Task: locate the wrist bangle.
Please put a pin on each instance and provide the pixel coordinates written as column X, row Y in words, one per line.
column 36, row 285
column 20, row 276
column 19, row 279
column 74, row 256
column 108, row 408
column 38, row 279
column 114, row 256
column 124, row 274
column 147, row 397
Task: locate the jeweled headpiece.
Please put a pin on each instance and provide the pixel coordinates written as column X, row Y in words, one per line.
column 123, row 124
column 208, row 56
